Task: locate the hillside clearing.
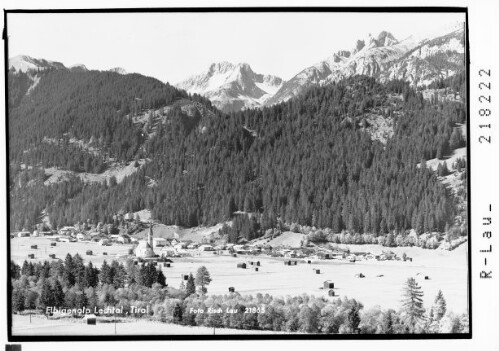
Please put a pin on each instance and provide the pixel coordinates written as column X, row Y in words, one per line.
column 119, row 171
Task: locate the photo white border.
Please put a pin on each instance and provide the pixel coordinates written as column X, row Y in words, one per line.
column 484, row 53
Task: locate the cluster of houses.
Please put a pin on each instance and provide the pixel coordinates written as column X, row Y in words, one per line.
column 313, row 253
column 174, row 247
column 336, row 254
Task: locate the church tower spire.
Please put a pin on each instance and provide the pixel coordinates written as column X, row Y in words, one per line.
column 150, row 235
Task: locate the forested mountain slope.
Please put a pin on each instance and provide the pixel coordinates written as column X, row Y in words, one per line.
column 310, row 160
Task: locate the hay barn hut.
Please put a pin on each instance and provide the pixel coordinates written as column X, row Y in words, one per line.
column 328, row 284
column 90, row 319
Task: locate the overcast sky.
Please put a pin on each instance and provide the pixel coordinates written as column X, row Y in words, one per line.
column 173, row 46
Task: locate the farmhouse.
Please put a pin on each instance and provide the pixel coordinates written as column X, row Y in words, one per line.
column 240, row 248
column 67, row 230
column 159, row 242
column 205, row 248
column 103, row 242
column 167, row 251
column 124, row 239
column 388, row 255
column 179, row 246
column 82, row 237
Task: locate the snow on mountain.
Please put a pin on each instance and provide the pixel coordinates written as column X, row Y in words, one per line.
column 26, row 63
column 78, row 68
column 419, row 61
column 433, row 59
column 119, row 70
column 232, row 87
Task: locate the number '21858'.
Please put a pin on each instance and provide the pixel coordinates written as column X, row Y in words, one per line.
column 485, row 99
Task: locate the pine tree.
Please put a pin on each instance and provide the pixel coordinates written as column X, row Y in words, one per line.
column 91, row 278
column 190, row 287
column 47, row 296
column 78, row 270
column 160, row 278
column 18, row 299
column 388, row 322
column 68, row 276
column 203, row 277
column 177, row 313
column 440, row 306
column 58, row 294
column 15, row 270
column 353, row 318
column 412, row 304
column 105, row 274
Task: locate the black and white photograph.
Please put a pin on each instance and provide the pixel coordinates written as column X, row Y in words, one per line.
column 238, row 173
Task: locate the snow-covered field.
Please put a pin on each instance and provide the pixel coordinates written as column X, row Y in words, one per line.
column 447, row 271
column 285, row 239
column 41, row 326
column 382, row 285
column 196, row 234
column 21, row 247
column 458, row 153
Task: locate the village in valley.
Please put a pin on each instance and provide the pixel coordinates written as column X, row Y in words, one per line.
column 284, row 263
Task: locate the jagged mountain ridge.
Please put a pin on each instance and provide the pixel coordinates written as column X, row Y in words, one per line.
column 384, row 57
column 232, row 87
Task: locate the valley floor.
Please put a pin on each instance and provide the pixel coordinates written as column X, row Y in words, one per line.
column 382, row 285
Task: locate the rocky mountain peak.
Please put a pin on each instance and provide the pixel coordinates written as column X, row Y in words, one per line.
column 25, row 63
column 232, row 87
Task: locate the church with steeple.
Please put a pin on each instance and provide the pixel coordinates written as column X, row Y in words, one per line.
column 145, row 247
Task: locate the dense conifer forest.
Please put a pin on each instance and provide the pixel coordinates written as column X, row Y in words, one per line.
column 310, row 160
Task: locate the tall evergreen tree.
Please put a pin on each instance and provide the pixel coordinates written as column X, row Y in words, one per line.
column 412, row 304
column 68, row 275
column 190, row 287
column 353, row 318
column 439, row 306
column 105, row 276
column 46, row 296
column 58, row 294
